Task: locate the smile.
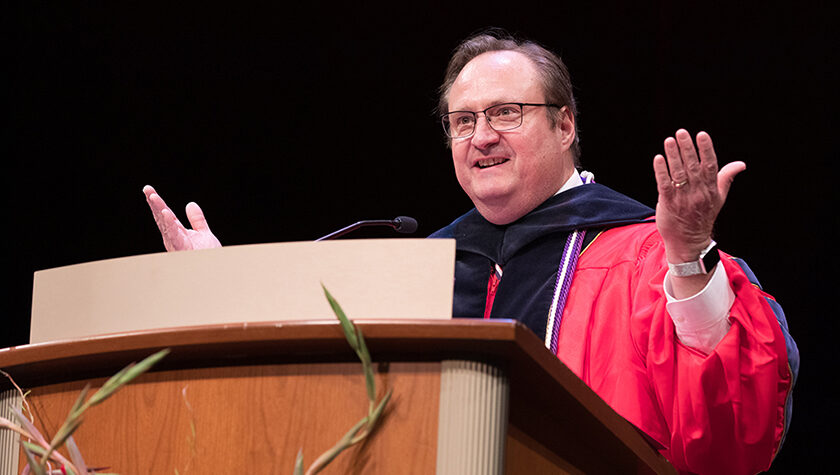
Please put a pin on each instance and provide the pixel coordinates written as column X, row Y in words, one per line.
column 490, row 162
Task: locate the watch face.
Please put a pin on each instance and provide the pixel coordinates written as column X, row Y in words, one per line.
column 710, row 258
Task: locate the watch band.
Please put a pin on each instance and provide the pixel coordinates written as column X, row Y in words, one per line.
column 707, row 261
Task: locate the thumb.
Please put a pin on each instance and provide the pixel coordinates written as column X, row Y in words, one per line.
column 726, row 176
column 196, row 217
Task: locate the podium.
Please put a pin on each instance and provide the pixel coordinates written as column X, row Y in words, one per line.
column 469, row 396
column 246, row 389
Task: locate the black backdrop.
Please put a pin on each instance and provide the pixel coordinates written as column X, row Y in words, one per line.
column 287, row 122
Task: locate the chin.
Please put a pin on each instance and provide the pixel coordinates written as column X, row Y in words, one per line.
column 499, row 217
column 498, row 212
column 488, row 201
column 493, row 193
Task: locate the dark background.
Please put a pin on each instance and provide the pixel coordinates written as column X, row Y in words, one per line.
column 287, row 122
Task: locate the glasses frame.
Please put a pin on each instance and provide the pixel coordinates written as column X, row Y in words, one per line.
column 444, row 118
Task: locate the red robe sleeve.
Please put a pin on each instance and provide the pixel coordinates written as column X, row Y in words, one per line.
column 718, row 413
column 723, row 412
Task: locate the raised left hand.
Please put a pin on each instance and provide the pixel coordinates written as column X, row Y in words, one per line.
column 176, row 236
column 691, row 195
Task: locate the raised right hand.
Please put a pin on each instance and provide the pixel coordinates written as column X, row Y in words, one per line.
column 175, row 236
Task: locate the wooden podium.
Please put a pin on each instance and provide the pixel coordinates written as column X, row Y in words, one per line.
column 469, row 396
column 245, row 386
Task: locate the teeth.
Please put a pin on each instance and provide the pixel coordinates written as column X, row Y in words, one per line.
column 489, row 162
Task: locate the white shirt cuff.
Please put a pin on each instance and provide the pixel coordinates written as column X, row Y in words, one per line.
column 701, row 320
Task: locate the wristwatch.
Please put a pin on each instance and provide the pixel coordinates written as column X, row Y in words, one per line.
column 707, row 261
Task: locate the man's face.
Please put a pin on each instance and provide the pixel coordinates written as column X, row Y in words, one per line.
column 507, row 174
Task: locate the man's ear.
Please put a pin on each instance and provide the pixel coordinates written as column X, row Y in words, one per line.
column 565, row 127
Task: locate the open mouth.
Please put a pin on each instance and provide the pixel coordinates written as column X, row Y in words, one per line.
column 490, row 162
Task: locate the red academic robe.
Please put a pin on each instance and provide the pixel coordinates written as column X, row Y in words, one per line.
column 730, row 403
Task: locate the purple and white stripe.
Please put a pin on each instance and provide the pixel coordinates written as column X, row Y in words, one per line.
column 565, row 274
column 561, row 288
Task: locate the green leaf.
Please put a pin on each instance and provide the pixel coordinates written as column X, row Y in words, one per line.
column 108, row 388
column 35, row 449
column 373, row 418
column 70, row 424
column 358, row 432
column 34, row 466
column 367, row 367
column 74, row 419
column 80, row 400
column 357, row 342
column 67, row 429
column 125, row 376
column 339, row 447
column 299, row 463
column 346, row 324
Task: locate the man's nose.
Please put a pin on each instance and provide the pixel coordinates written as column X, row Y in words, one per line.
column 485, row 135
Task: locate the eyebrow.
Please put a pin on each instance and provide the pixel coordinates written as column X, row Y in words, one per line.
column 491, row 104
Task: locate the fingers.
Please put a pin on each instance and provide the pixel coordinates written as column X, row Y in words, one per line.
column 675, row 161
column 688, row 153
column 173, row 232
column 663, row 179
column 196, row 217
column 154, row 200
column 166, row 221
column 175, row 236
column 157, row 205
column 684, row 165
column 708, row 158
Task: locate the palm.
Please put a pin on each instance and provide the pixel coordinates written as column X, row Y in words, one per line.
column 691, row 193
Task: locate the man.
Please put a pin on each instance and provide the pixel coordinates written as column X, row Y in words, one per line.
column 689, row 350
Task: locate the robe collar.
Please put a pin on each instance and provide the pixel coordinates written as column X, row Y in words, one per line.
column 591, row 206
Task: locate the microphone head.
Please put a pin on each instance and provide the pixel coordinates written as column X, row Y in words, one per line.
column 405, row 224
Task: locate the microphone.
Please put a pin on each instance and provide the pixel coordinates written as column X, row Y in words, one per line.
column 401, row 224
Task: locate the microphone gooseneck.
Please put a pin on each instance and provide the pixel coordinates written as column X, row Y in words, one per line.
column 400, row 224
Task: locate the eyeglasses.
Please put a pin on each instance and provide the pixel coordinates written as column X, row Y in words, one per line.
column 500, row 117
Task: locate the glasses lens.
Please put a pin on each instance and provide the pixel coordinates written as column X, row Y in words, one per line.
column 459, row 124
column 505, row 116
